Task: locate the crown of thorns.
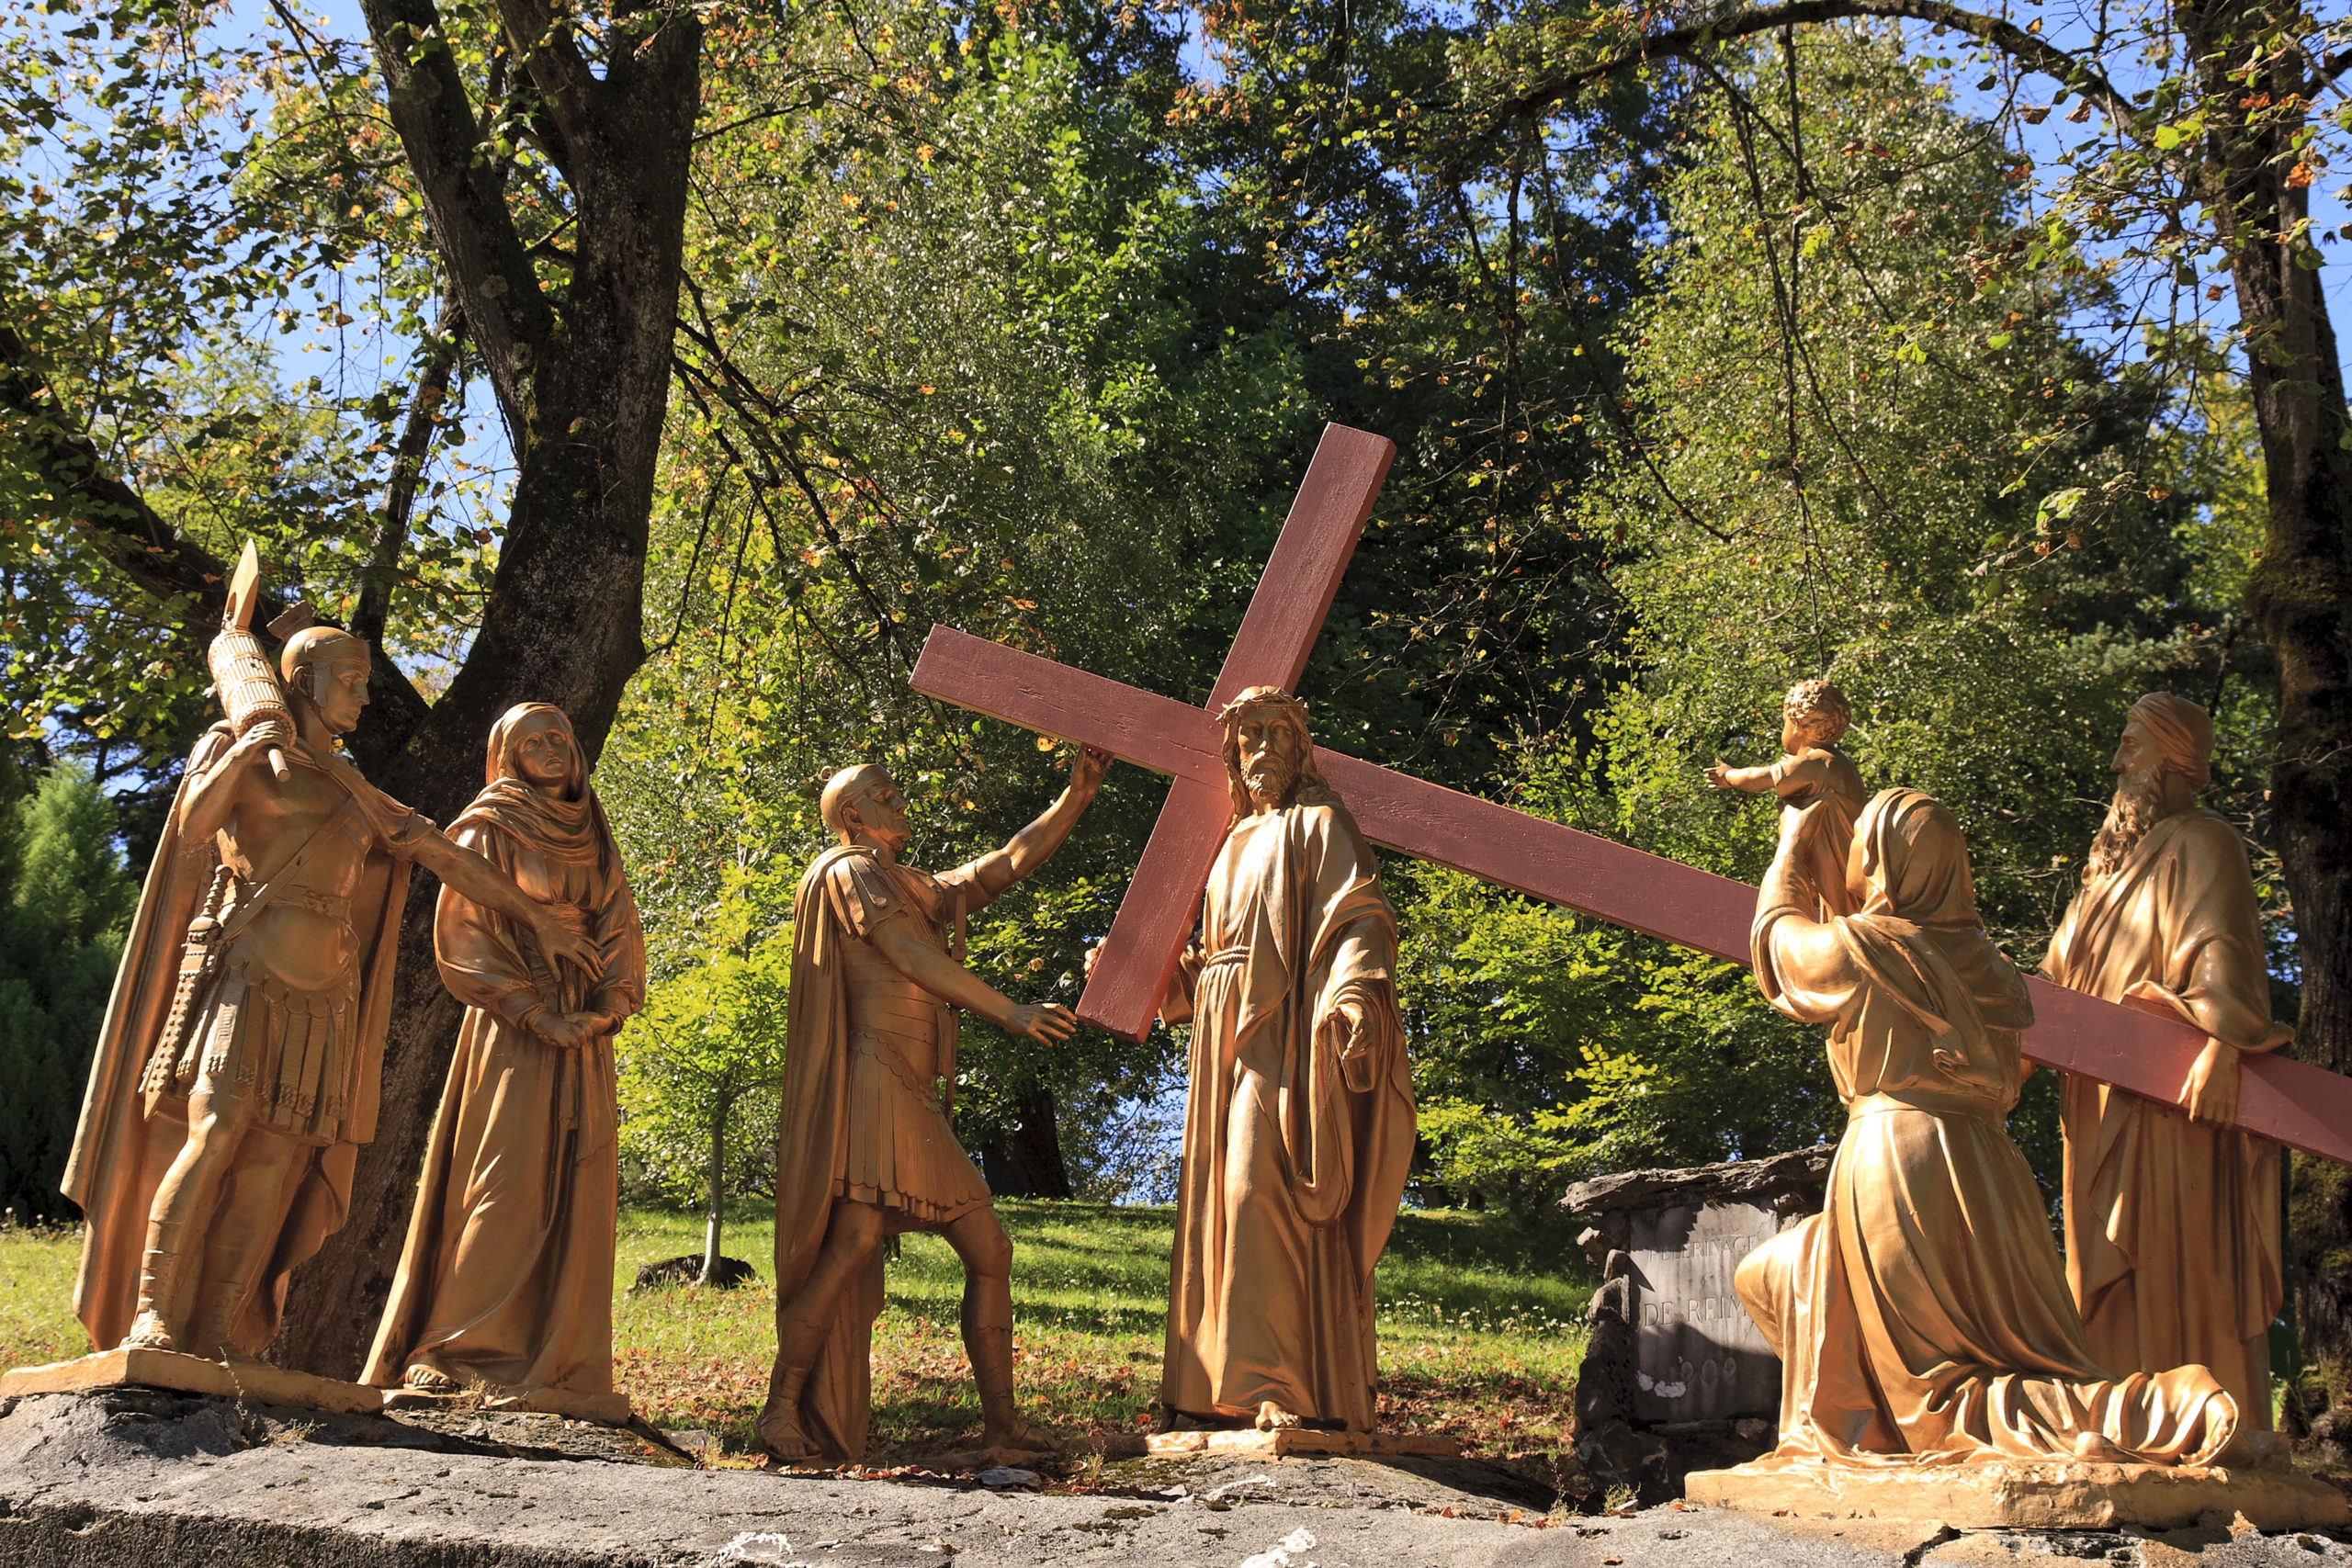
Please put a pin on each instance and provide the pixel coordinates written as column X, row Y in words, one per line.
column 1262, row 697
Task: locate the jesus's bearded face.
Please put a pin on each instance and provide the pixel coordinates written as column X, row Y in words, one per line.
column 1269, row 745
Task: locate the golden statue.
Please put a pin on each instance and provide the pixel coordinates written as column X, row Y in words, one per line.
column 1299, row 1118
column 863, row 1147
column 2172, row 1215
column 507, row 1277
column 237, row 1071
column 1813, row 717
column 1923, row 1316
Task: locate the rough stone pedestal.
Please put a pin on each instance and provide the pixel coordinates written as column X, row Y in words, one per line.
column 127, row 1366
column 1676, row 1377
column 2009, row 1495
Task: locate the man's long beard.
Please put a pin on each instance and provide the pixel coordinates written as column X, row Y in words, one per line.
column 1270, row 782
column 2137, row 806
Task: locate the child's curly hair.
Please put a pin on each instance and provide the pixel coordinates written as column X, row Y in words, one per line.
column 1819, row 710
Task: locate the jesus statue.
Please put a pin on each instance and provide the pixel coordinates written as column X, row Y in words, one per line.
column 1298, row 1122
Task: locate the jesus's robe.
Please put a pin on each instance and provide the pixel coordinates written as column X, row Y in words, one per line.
column 2172, row 1226
column 1296, row 1149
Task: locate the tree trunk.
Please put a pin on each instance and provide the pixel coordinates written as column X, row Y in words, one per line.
column 1025, row 1161
column 2301, row 595
column 715, row 1209
column 583, row 388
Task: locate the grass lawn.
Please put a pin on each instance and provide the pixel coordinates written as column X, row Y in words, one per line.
column 1480, row 1339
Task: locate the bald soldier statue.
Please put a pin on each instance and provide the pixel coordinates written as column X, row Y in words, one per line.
column 863, row 1147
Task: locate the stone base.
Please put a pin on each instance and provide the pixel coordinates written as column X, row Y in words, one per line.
column 2007, row 1494
column 612, row 1409
column 138, row 1365
column 1252, row 1444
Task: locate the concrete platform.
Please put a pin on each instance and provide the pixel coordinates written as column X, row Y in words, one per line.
column 136, row 1366
column 1250, row 1443
column 2013, row 1495
column 147, row 1478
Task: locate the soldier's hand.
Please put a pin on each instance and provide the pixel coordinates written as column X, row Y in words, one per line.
column 1046, row 1022
column 253, row 746
column 2211, row 1095
column 1093, row 955
column 1086, row 769
column 1719, row 776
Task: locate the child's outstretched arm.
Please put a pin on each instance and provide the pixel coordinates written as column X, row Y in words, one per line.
column 1723, row 775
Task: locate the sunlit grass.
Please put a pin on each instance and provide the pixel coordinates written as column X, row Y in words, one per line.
column 1479, row 1340
column 1480, row 1326
column 37, row 1322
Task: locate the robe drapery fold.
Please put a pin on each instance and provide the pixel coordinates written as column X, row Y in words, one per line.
column 122, row 1150
column 1295, row 1154
column 2172, row 1227
column 507, row 1275
column 1923, row 1316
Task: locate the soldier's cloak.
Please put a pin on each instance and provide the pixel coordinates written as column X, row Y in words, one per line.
column 120, row 1153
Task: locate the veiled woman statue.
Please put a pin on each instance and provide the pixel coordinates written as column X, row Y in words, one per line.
column 507, row 1277
column 1923, row 1316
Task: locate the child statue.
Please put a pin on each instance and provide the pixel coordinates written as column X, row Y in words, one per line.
column 1814, row 719
column 507, row 1277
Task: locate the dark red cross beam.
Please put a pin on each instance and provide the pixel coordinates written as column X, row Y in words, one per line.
column 2292, row 1101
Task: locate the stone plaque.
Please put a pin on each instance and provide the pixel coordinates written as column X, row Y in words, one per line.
column 1698, row 1355
column 1676, row 1377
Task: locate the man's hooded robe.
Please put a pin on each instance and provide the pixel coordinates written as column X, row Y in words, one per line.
column 128, row 1138
column 1294, row 1155
column 2172, row 1226
column 1922, row 1316
column 849, row 1124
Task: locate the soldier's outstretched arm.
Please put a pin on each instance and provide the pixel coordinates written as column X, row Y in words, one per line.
column 954, row 984
column 475, row 878
column 1029, row 847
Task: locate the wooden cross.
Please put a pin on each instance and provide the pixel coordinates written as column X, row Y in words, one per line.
column 2149, row 1055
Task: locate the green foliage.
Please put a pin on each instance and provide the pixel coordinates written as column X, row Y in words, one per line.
column 699, row 1070
column 65, row 903
column 188, row 213
column 996, row 422
column 1850, row 463
column 1928, row 492
column 1550, row 1047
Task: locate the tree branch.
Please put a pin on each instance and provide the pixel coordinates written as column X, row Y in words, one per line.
column 465, row 201
column 2026, row 49
column 116, row 523
column 543, row 42
column 440, row 361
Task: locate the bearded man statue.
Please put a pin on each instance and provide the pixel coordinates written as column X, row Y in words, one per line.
column 2172, row 1214
column 1298, row 1120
